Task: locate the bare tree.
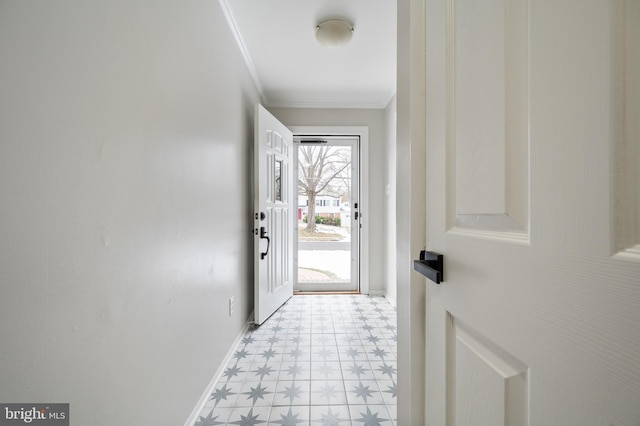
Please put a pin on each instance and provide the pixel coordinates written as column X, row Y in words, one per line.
column 323, row 170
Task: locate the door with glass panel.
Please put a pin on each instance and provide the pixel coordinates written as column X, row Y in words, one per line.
column 273, row 217
column 328, row 216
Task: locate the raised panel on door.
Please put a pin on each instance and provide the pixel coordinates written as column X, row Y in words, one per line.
column 487, row 98
column 487, row 385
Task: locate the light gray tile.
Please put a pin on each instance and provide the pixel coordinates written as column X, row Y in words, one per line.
column 330, row 415
column 297, row 360
column 370, row 415
column 325, row 353
column 357, row 370
column 363, row 392
column 321, row 370
column 259, row 394
column 246, row 416
column 384, row 370
column 289, row 416
column 292, row 393
column 389, row 392
column 328, row 392
column 210, row 416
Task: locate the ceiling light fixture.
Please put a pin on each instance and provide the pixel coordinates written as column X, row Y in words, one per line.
column 333, row 33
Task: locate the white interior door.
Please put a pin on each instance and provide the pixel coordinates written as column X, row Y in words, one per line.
column 533, row 170
column 273, row 253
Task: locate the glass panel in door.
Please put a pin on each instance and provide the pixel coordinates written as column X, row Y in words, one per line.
column 328, row 225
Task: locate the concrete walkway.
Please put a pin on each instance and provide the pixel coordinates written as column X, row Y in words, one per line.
column 310, row 275
column 333, row 257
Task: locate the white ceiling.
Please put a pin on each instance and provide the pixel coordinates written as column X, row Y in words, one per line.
column 291, row 69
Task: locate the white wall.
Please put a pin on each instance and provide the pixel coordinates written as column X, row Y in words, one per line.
column 123, row 126
column 390, row 282
column 374, row 120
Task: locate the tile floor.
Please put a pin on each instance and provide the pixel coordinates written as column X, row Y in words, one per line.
column 319, row 360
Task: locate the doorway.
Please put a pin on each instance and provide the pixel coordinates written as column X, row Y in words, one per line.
column 327, row 235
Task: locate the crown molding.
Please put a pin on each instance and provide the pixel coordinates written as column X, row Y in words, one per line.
column 226, row 9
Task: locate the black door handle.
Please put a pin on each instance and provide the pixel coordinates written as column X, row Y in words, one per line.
column 431, row 265
column 263, row 235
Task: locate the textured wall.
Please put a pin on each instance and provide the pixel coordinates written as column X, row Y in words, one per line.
column 125, row 204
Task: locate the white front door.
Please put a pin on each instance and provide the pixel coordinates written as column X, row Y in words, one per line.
column 273, row 229
column 533, row 170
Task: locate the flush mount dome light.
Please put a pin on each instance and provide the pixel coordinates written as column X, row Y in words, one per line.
column 334, row 33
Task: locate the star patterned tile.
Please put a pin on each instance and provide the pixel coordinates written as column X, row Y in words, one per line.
column 319, row 360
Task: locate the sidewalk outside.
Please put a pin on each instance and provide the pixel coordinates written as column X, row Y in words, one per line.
column 324, row 265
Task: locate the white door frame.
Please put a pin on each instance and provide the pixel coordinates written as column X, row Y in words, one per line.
column 411, row 209
column 353, row 143
column 363, row 133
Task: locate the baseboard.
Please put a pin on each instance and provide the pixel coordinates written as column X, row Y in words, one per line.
column 393, row 302
column 383, row 293
column 210, row 388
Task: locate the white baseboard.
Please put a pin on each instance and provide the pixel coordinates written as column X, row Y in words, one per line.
column 210, row 388
column 393, row 302
column 383, row 293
